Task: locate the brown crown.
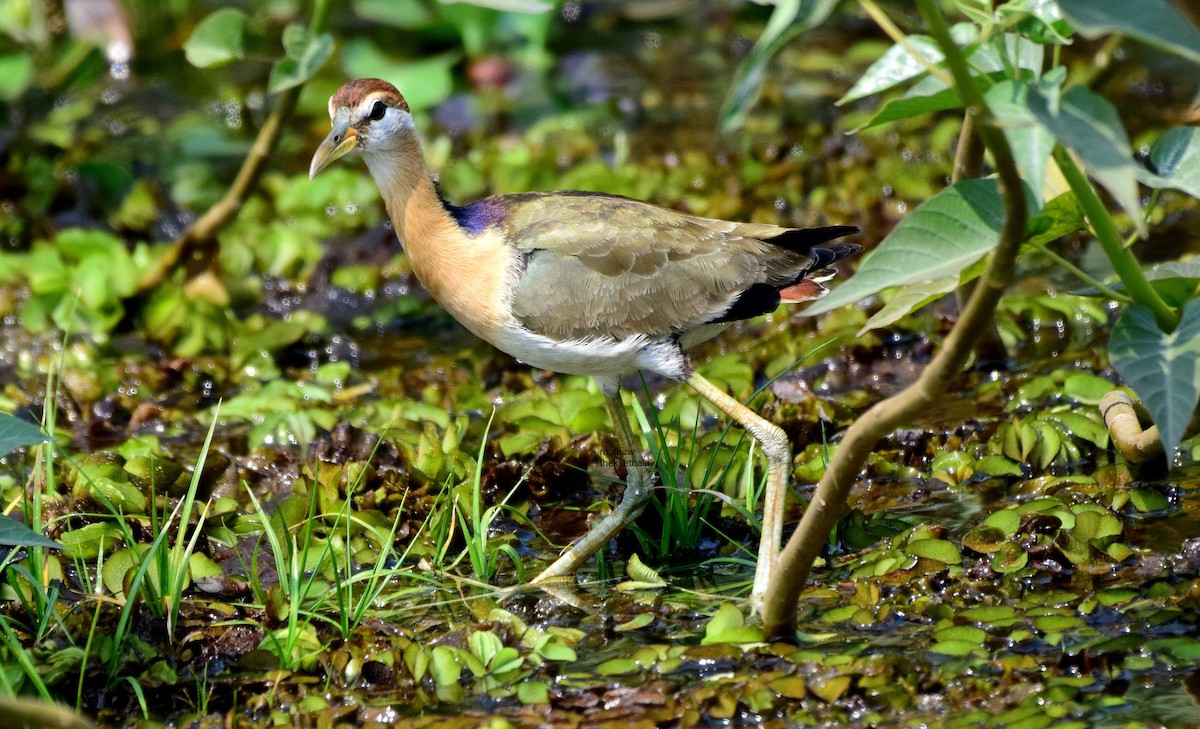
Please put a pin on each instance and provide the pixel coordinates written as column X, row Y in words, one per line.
column 352, row 94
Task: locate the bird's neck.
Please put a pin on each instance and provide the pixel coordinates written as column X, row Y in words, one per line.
column 412, row 200
column 458, row 269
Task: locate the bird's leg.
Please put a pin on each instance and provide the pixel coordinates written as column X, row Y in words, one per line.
column 637, row 492
column 778, row 451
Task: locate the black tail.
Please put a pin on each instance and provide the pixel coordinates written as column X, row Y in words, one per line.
column 803, row 240
column 829, row 255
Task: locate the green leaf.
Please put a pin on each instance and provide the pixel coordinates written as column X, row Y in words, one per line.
column 1145, row 500
column 201, row 566
column 508, row 6
column 994, row 465
column 639, row 572
column 1180, row 649
column 16, row 433
column 939, row 550
column 1163, row 369
column 1007, row 51
column 1010, row 558
column 618, row 667
column 89, row 540
column 444, row 666
column 1086, row 388
column 390, row 12
column 991, row 614
column 990, row 65
column 533, row 692
column 947, row 233
column 1096, row 525
column 15, row 534
column 637, row 622
column 954, row 648
column 1154, row 22
column 1041, row 21
column 305, row 55
column 1088, row 125
column 985, row 539
column 894, row 67
column 898, row 65
column 1057, row 623
column 1090, row 429
column 16, row 71
column 728, row 626
column 557, row 651
column 789, row 687
column 485, row 645
column 789, row 19
column 1177, row 282
column 426, row 82
column 1061, row 216
column 908, row 299
column 831, row 689
column 218, row 39
column 1031, row 142
column 917, row 104
column 1175, row 158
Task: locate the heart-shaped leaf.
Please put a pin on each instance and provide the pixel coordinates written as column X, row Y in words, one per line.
column 306, row 54
column 1151, row 21
column 1030, row 141
column 1089, row 126
column 218, row 39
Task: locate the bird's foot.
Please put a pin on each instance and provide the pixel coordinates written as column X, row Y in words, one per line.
column 637, row 493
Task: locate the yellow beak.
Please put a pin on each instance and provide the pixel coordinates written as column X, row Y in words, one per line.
column 342, row 139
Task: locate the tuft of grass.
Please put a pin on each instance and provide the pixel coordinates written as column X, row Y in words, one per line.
column 164, row 568
column 296, row 643
column 353, row 605
column 476, row 523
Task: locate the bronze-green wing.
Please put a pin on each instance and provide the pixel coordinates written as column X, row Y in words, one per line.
column 648, row 270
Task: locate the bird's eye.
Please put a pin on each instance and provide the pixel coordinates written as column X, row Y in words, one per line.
column 378, row 111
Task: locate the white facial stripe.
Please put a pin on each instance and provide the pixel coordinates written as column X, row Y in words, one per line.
column 367, row 104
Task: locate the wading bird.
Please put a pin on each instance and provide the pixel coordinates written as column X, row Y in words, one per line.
column 589, row 284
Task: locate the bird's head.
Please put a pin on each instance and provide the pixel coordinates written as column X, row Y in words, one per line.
column 368, row 115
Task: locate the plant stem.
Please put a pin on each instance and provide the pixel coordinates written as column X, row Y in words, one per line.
column 199, row 242
column 1082, row 275
column 968, row 164
column 1123, row 262
column 1146, row 215
column 796, row 560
